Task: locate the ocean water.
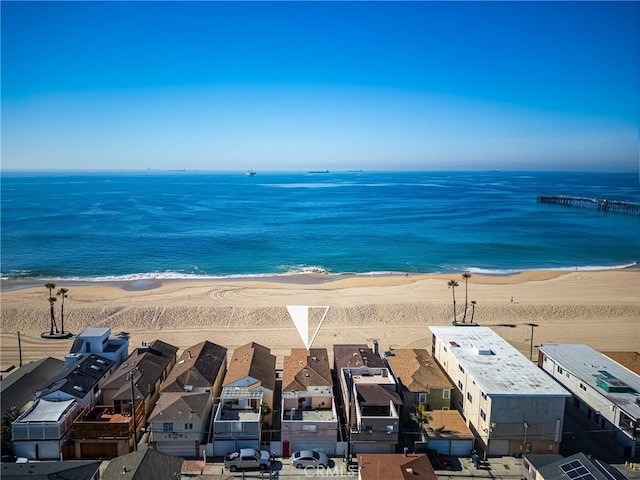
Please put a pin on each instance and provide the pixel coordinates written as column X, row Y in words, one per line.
column 129, row 226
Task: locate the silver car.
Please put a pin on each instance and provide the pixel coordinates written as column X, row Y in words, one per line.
column 309, row 458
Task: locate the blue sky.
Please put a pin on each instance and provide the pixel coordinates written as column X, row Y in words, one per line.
column 314, row 85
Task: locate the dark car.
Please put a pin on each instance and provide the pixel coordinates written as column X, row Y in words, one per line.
column 439, row 461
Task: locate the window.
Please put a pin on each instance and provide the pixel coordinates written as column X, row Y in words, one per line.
column 484, row 395
column 309, row 428
column 390, row 429
column 583, row 387
column 469, row 397
column 460, row 368
column 483, row 415
column 460, row 385
column 422, row 398
column 446, row 393
column 188, row 426
column 559, row 369
column 167, row 426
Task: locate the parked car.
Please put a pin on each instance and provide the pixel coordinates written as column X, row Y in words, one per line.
column 309, row 458
column 439, row 461
column 247, row 458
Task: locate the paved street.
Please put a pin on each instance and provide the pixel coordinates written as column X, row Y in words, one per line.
column 507, row 468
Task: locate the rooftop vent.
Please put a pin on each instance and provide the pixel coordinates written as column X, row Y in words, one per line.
column 482, row 350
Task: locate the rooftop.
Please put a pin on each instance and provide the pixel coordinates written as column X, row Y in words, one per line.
column 355, row 356
column 618, row 384
column 496, row 366
column 198, row 366
column 255, row 361
column 306, row 368
column 395, row 467
column 417, row 370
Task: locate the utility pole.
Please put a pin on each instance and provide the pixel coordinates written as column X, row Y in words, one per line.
column 350, row 386
column 532, row 325
column 133, row 409
column 20, row 348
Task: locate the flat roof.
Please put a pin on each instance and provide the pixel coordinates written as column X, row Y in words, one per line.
column 95, row 332
column 496, row 366
column 589, row 366
column 46, row 411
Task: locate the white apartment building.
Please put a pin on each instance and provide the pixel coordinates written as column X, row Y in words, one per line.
column 511, row 405
column 603, row 391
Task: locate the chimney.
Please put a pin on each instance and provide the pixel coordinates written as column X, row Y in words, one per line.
column 189, row 352
column 375, row 347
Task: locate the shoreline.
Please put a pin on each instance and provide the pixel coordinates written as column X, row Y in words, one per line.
column 317, row 277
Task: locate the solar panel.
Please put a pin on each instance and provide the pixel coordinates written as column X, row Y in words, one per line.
column 575, row 470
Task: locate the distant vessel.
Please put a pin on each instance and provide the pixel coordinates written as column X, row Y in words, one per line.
column 251, row 172
column 318, row 171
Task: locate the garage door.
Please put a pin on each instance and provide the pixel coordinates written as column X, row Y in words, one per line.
column 178, row 449
column 461, row 448
column 222, row 447
column 499, row 447
column 98, row 450
column 440, row 446
column 326, row 446
column 249, row 444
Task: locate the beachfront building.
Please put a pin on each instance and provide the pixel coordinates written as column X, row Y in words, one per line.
column 420, row 381
column 42, row 431
column 80, row 381
column 200, row 368
column 97, row 341
column 426, row 397
column 113, row 427
column 309, row 417
column 18, row 389
column 511, row 406
column 369, row 397
column 246, row 400
column 46, row 426
column 603, row 391
column 179, row 423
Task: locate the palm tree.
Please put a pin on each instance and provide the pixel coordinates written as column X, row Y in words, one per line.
column 52, row 299
column 452, row 285
column 62, row 293
column 466, row 277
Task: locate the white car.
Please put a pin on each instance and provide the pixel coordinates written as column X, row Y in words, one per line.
column 309, row 458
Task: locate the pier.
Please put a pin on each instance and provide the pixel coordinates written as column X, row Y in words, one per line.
column 617, row 206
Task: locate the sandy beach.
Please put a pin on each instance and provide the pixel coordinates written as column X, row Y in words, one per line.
column 597, row 308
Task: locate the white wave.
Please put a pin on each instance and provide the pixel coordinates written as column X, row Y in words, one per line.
column 578, row 268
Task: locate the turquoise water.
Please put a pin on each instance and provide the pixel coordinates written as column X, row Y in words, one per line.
column 124, row 226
